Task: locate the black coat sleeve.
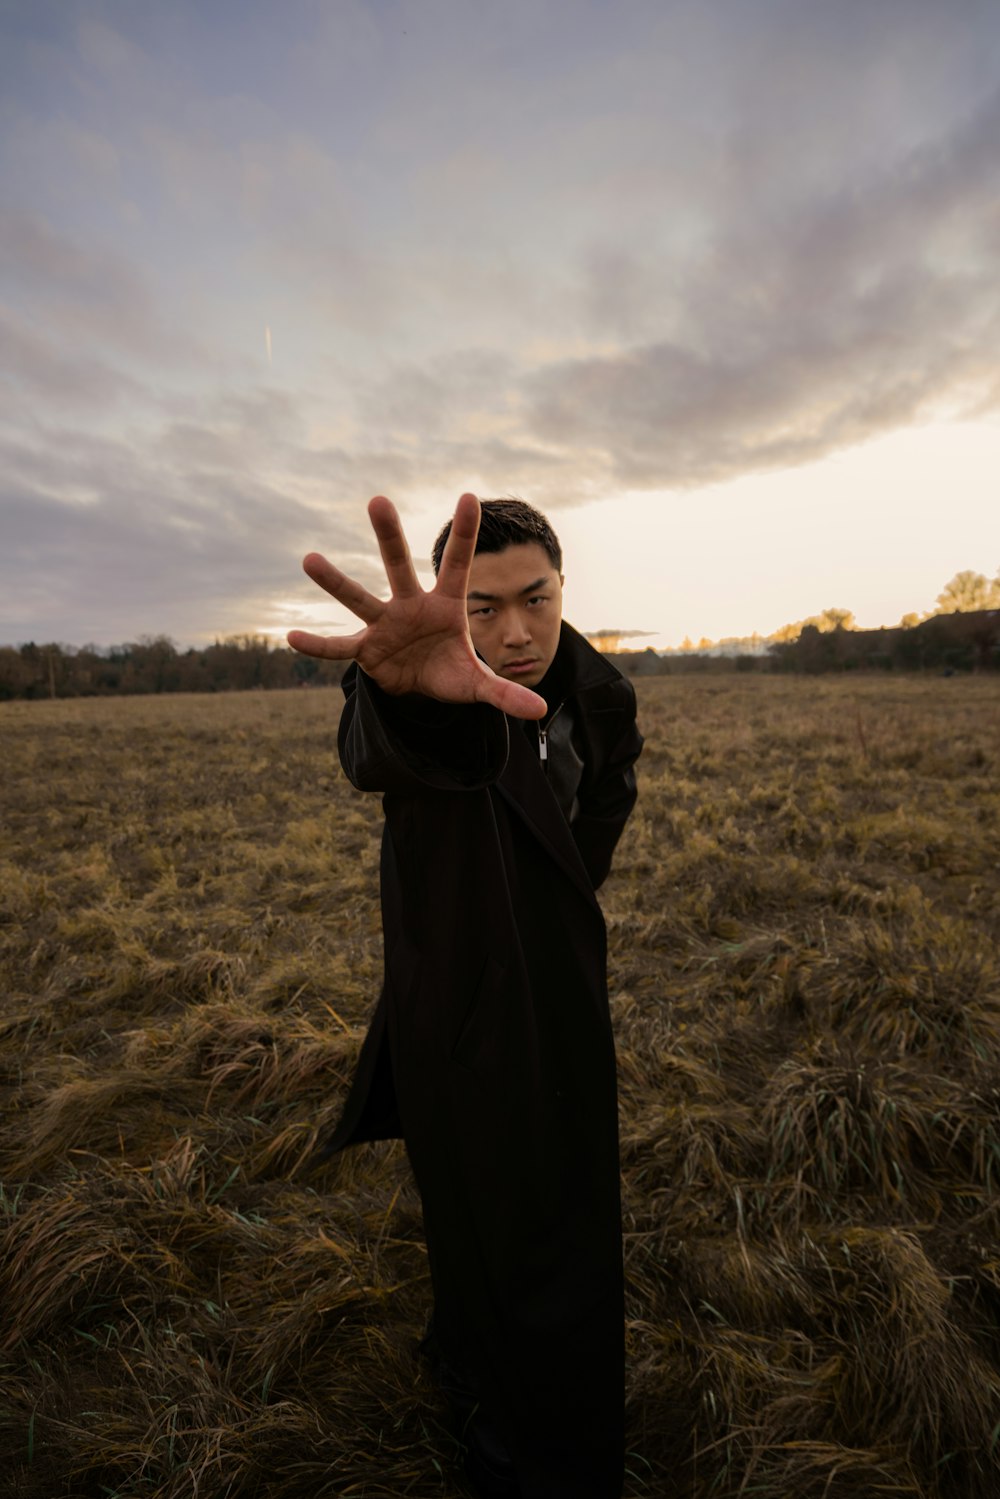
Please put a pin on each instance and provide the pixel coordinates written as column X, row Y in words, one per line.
column 609, row 792
column 415, row 745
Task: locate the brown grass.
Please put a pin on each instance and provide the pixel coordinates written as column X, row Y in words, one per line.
column 805, row 986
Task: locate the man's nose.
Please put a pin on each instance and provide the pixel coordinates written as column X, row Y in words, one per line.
column 515, row 628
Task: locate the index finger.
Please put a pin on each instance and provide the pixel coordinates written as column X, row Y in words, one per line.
column 459, row 549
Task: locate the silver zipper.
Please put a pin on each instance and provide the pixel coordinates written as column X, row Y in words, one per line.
column 543, row 734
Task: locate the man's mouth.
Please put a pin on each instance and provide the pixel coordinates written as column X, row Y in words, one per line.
column 518, row 668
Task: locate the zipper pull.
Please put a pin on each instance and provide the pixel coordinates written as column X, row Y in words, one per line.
column 543, row 744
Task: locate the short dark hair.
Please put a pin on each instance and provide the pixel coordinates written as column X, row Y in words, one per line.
column 504, row 523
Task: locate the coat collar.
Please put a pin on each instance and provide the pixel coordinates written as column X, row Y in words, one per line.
column 523, row 784
column 581, row 666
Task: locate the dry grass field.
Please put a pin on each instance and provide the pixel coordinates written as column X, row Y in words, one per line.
column 804, row 923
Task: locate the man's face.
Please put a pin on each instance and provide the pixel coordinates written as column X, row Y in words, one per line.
column 515, row 609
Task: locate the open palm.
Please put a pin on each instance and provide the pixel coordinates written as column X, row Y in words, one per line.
column 416, row 640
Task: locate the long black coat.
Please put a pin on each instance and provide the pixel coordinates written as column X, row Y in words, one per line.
column 491, row 1050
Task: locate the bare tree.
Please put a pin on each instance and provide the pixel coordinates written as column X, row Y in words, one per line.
column 968, row 591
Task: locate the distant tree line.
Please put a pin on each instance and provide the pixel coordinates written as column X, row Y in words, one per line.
column 962, row 634
column 941, row 643
column 155, row 664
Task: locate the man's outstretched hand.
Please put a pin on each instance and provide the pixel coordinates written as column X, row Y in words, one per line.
column 416, row 641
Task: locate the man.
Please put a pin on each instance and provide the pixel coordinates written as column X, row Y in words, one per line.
column 503, row 745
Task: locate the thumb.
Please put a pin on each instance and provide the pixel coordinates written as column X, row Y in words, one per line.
column 519, row 702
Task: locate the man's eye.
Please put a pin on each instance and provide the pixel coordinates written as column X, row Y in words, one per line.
column 482, row 613
column 539, row 598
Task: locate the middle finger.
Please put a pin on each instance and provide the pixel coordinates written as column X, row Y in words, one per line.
column 453, row 574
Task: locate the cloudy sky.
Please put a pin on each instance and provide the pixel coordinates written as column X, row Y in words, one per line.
column 714, row 282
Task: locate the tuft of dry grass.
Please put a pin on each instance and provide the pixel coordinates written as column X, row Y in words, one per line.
column 925, row 983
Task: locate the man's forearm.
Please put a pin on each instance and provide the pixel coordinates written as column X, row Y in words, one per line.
column 411, row 744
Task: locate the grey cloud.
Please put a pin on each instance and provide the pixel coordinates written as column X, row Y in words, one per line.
column 852, row 314
column 37, row 369
column 264, row 431
column 241, row 431
column 438, row 395
column 86, row 295
column 492, row 465
column 32, row 254
column 153, row 546
column 455, row 421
